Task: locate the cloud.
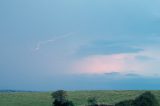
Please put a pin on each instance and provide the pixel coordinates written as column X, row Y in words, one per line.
column 142, row 63
column 41, row 43
column 122, row 75
column 107, row 47
column 132, row 75
column 103, row 63
column 113, row 44
column 116, row 81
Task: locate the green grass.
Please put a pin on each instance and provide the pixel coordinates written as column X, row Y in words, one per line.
column 78, row 97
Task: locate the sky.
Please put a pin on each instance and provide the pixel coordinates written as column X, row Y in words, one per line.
column 79, row 44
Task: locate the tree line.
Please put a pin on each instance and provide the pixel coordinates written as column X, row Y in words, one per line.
column 60, row 98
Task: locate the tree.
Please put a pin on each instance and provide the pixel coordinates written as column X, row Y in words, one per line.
column 60, row 98
column 146, row 99
column 92, row 101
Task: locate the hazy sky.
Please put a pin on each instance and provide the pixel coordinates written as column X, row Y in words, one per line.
column 79, row 44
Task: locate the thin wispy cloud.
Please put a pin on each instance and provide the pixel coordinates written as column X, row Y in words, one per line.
column 57, row 38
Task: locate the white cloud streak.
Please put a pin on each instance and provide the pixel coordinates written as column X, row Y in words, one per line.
column 39, row 44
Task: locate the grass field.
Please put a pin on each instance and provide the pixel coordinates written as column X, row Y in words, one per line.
column 78, row 97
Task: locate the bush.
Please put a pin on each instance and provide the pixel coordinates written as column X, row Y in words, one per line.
column 125, row 103
column 146, row 99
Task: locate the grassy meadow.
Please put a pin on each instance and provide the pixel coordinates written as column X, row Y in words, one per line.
column 79, row 98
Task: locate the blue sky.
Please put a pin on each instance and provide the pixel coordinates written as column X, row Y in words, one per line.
column 79, row 44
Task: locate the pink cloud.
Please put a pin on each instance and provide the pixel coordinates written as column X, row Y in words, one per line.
column 103, row 63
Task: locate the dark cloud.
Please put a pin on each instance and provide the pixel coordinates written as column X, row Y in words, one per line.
column 122, row 75
column 103, row 48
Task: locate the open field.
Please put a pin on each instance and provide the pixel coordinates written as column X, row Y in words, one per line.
column 78, row 97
